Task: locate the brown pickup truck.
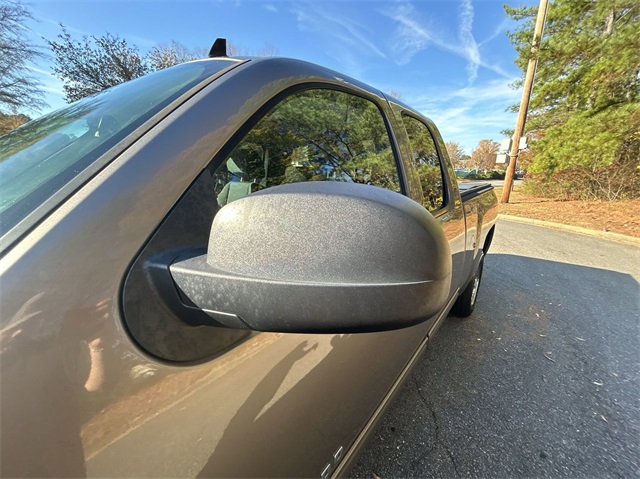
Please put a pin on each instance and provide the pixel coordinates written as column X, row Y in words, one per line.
column 223, row 269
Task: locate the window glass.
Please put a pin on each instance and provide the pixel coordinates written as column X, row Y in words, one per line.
column 39, row 158
column 313, row 135
column 427, row 163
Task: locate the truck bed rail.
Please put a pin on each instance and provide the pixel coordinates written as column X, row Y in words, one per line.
column 471, row 190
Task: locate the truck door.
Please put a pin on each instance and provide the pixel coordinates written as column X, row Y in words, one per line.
column 440, row 193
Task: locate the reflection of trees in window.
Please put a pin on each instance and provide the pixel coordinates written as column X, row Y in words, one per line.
column 316, row 135
column 427, row 162
column 33, row 154
column 20, row 139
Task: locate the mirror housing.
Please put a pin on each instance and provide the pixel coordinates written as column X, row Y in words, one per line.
column 319, row 257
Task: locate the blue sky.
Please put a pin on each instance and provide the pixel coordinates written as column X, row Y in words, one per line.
column 449, row 59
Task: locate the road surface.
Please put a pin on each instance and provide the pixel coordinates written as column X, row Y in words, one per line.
column 542, row 381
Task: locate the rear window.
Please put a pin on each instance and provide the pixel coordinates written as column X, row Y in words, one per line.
column 426, row 162
column 41, row 157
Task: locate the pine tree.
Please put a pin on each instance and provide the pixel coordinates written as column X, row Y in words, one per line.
column 585, row 106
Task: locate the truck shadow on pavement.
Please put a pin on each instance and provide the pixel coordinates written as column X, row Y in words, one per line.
column 541, row 381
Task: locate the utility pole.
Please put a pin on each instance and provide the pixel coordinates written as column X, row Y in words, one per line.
column 524, row 103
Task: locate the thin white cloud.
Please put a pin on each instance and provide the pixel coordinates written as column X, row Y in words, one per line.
column 469, row 113
column 493, row 90
column 316, row 18
column 468, row 43
column 500, row 29
column 496, row 92
column 270, row 7
column 47, row 81
column 412, row 36
column 51, row 21
column 449, row 115
column 141, row 42
column 39, row 70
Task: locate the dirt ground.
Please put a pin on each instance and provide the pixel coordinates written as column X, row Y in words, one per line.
column 618, row 217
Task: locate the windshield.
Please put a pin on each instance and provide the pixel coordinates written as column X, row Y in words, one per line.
column 39, row 158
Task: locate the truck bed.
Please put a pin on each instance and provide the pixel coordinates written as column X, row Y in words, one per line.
column 471, row 190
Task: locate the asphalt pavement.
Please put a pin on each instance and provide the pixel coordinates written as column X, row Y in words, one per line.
column 543, row 380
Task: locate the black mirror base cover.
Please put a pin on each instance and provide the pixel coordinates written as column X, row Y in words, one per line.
column 278, row 306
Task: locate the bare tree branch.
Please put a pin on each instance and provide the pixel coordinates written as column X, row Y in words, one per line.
column 19, row 90
column 94, row 63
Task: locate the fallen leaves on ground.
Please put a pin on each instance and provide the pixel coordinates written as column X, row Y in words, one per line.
column 621, row 217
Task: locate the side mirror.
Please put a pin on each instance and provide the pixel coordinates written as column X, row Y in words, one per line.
column 318, row 257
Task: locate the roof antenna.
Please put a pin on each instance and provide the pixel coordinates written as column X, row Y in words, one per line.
column 219, row 48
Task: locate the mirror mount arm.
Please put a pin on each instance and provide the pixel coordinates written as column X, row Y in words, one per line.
column 157, row 272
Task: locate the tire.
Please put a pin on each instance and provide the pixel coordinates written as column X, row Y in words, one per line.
column 466, row 302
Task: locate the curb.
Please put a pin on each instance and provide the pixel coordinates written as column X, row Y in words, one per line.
column 574, row 229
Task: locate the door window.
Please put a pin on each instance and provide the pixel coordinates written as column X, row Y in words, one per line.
column 312, row 135
column 427, row 163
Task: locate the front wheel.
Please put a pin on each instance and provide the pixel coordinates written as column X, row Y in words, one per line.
column 466, row 302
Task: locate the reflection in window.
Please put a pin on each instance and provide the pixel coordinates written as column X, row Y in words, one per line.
column 427, row 163
column 42, row 156
column 314, row 135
